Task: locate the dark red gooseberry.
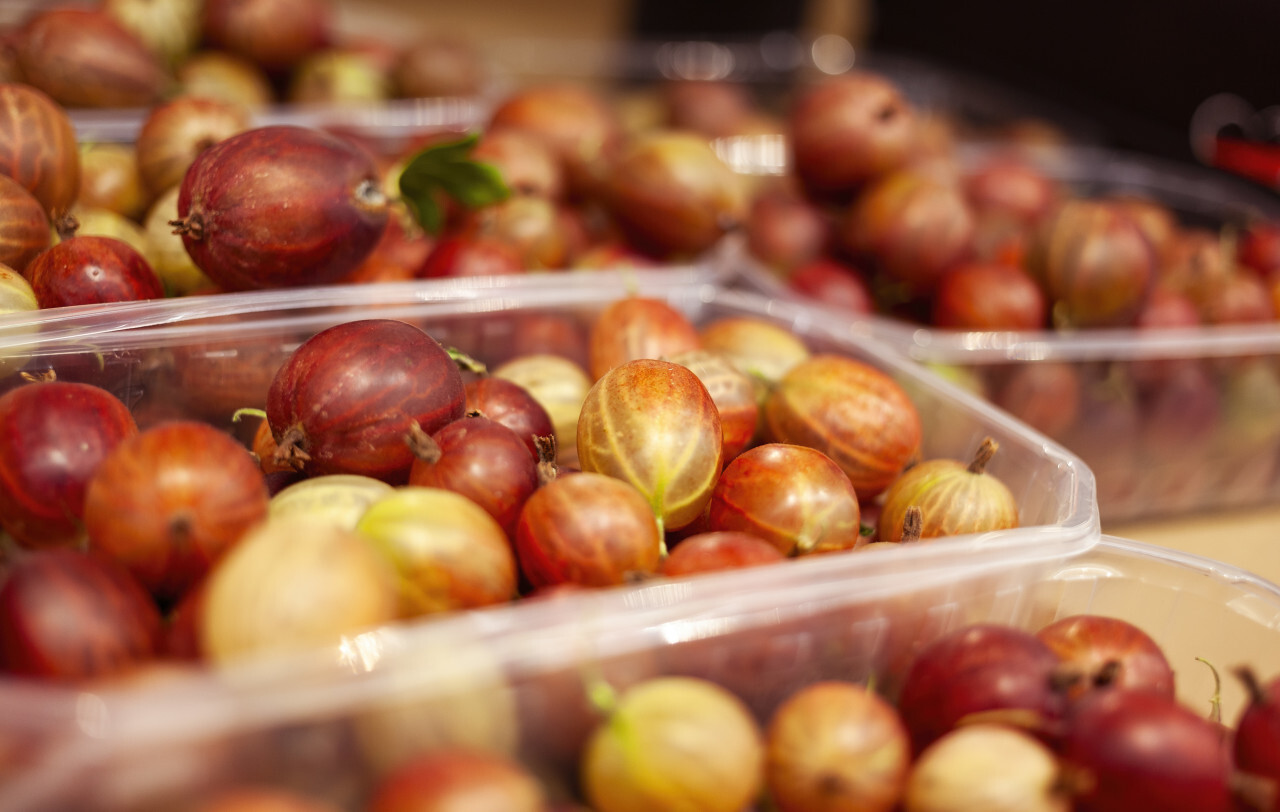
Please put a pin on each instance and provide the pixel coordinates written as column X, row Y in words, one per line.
column 53, row 437
column 345, row 400
column 281, row 206
column 92, row 269
column 67, row 614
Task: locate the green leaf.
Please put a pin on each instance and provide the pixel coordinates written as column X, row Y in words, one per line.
column 447, row 169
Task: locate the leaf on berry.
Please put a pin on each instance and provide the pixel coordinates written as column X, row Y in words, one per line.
column 447, row 169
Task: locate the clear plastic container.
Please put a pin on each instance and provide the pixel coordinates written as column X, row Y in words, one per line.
column 768, row 68
column 1170, row 421
column 388, row 124
column 1173, row 423
column 205, row 357
column 516, row 681
column 772, row 66
column 208, row 356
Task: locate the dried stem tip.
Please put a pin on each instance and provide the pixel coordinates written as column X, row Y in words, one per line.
column 985, row 452
column 290, row 449
column 191, row 226
column 547, row 468
column 66, row 226
column 423, row 446
column 912, row 524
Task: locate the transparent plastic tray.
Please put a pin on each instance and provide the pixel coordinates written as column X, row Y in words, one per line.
column 771, row 67
column 389, row 123
column 205, row 357
column 208, row 356
column 514, row 681
column 1169, row 451
column 1229, row 458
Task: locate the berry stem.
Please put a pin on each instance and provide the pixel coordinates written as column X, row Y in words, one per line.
column 1215, row 701
column 465, row 362
column 1107, row 674
column 191, row 226
column 247, row 411
column 602, row 696
column 422, row 445
column 1065, row 677
column 66, row 226
column 985, row 452
column 181, row 528
column 289, row 450
column 1251, row 684
column 547, row 468
column 912, row 524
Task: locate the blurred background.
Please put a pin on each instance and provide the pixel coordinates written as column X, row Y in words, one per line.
column 1143, row 74
column 1146, row 78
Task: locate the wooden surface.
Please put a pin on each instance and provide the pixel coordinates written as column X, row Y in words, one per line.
column 549, row 19
column 483, row 19
column 1245, row 538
